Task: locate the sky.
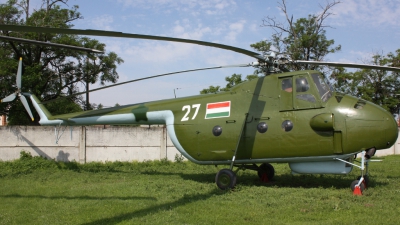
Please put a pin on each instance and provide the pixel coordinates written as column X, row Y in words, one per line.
column 361, row 27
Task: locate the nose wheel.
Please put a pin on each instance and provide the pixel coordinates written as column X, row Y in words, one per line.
column 359, row 185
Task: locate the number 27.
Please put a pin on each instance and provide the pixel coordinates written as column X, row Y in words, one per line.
column 187, row 108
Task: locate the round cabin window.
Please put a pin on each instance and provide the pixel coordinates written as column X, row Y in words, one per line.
column 287, row 125
column 217, row 130
column 262, row 127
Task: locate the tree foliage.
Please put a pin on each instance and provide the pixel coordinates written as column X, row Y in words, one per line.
column 233, row 80
column 302, row 39
column 378, row 86
column 49, row 72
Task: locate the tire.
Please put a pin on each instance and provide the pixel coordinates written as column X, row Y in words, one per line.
column 354, row 183
column 225, row 179
column 266, row 169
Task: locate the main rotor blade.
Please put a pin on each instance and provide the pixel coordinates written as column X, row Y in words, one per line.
column 350, row 65
column 26, row 105
column 126, row 35
column 9, row 98
column 50, row 44
column 19, row 73
column 150, row 77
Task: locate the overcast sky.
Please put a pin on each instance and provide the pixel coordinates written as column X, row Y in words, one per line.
column 361, row 27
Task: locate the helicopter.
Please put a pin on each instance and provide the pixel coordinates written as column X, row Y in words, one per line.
column 292, row 117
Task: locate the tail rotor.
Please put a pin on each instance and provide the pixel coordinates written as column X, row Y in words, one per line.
column 18, row 91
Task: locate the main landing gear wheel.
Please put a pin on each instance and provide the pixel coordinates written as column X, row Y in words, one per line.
column 225, row 179
column 266, row 172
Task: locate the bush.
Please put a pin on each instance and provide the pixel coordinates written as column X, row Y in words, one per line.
column 25, row 164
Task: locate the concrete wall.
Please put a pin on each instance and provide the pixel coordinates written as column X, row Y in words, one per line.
column 89, row 144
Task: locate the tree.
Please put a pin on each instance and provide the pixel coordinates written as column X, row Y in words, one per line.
column 100, row 106
column 378, row 86
column 303, row 39
column 49, row 72
column 233, row 80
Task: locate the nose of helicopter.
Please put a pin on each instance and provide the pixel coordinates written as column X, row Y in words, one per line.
column 369, row 125
column 388, row 128
column 391, row 129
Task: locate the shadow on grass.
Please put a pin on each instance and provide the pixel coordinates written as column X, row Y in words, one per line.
column 197, row 177
column 155, row 209
column 85, row 197
column 282, row 180
column 308, row 181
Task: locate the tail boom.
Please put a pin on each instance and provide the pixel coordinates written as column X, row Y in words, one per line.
column 100, row 117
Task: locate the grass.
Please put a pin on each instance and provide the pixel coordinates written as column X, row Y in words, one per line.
column 38, row 191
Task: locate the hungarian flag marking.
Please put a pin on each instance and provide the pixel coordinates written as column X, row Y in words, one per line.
column 218, row 109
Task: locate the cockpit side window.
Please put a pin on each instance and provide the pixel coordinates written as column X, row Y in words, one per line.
column 287, row 84
column 303, row 86
column 323, row 88
column 298, row 92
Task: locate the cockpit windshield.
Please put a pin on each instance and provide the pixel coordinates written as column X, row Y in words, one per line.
column 324, row 88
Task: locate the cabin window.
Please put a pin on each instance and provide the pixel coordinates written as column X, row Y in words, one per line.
column 287, row 85
column 306, row 97
column 323, row 88
column 298, row 92
column 217, row 130
column 302, row 86
column 287, row 125
column 262, row 127
column 286, row 93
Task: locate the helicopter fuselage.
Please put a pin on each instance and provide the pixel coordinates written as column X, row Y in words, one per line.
column 288, row 117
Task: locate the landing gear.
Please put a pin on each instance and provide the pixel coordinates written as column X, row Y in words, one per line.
column 354, row 184
column 266, row 172
column 359, row 185
column 365, row 181
column 225, row 179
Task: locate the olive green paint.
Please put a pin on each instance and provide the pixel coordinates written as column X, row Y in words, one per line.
column 340, row 124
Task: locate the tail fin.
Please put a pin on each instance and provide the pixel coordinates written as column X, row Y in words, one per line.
column 43, row 112
column 45, row 116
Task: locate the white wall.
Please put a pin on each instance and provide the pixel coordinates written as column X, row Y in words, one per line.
column 87, row 144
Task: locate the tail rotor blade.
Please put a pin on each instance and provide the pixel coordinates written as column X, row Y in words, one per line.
column 19, row 73
column 9, row 98
column 18, row 92
column 26, row 105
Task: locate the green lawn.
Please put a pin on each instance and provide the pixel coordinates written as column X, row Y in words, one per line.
column 38, row 191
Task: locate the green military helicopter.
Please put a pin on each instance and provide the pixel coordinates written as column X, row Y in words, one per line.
column 292, row 117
